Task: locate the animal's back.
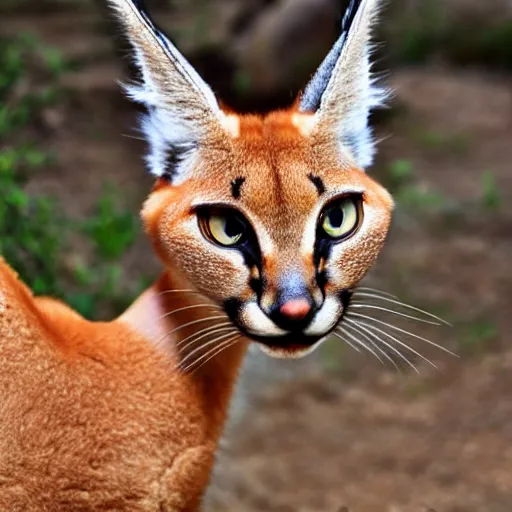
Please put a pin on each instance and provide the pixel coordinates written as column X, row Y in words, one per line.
column 93, row 420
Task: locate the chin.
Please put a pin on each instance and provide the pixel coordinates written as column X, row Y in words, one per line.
column 292, row 346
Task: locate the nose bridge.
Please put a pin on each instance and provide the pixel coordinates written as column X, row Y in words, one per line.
column 287, row 270
column 285, row 276
column 292, row 285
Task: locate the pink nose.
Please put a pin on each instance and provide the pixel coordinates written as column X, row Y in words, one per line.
column 295, row 309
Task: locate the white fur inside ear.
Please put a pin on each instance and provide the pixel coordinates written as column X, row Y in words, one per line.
column 352, row 92
column 171, row 145
column 354, row 132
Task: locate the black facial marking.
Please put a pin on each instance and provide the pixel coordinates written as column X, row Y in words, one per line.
column 232, row 307
column 171, row 164
column 322, row 279
column 345, row 297
column 236, row 187
column 323, row 249
column 319, row 184
column 252, row 254
column 256, row 286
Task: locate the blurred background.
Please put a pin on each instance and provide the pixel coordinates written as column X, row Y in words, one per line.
column 338, row 431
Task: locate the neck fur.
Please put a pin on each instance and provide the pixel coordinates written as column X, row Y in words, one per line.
column 155, row 315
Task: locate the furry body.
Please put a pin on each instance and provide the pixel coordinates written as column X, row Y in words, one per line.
column 92, row 415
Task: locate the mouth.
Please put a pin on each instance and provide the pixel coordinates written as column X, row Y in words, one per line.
column 290, row 342
column 292, row 345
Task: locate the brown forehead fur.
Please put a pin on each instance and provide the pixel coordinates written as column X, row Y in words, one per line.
column 276, row 160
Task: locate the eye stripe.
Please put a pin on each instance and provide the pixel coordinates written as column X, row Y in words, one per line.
column 319, row 184
column 236, row 187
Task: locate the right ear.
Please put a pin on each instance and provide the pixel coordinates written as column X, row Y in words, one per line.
column 183, row 112
column 343, row 92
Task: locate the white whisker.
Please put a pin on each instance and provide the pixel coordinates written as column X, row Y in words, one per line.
column 403, row 331
column 360, row 343
column 218, row 330
column 403, row 304
column 170, row 313
column 374, row 290
column 213, row 353
column 179, row 291
column 385, row 343
column 207, row 330
column 132, row 137
column 397, row 313
column 188, row 324
column 370, row 340
column 207, row 344
column 351, row 345
column 194, row 306
column 399, row 342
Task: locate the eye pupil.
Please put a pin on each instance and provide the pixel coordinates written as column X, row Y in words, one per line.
column 233, row 227
column 336, row 217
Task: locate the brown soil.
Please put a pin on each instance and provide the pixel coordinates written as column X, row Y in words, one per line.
column 341, row 431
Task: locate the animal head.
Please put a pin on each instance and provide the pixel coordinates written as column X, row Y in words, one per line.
column 271, row 217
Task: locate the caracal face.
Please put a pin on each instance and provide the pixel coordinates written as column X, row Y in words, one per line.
column 272, row 218
column 276, row 229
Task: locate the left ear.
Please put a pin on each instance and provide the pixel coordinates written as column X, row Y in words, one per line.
column 342, row 93
column 183, row 113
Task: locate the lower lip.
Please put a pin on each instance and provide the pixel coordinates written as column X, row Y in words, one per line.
column 290, row 342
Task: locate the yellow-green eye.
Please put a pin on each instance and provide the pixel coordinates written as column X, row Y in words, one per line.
column 341, row 219
column 226, row 229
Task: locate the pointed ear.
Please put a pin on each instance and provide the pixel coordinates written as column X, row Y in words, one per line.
column 343, row 93
column 183, row 112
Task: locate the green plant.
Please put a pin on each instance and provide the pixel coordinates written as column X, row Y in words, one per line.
column 491, row 195
column 400, row 180
column 478, row 336
column 31, row 237
column 35, row 232
column 419, row 197
column 28, row 80
column 432, row 140
column 419, row 35
column 111, row 229
column 400, row 172
column 472, row 42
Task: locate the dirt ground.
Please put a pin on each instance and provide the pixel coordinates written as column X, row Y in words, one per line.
column 340, row 430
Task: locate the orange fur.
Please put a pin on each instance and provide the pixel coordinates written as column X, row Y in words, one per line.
column 94, row 417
